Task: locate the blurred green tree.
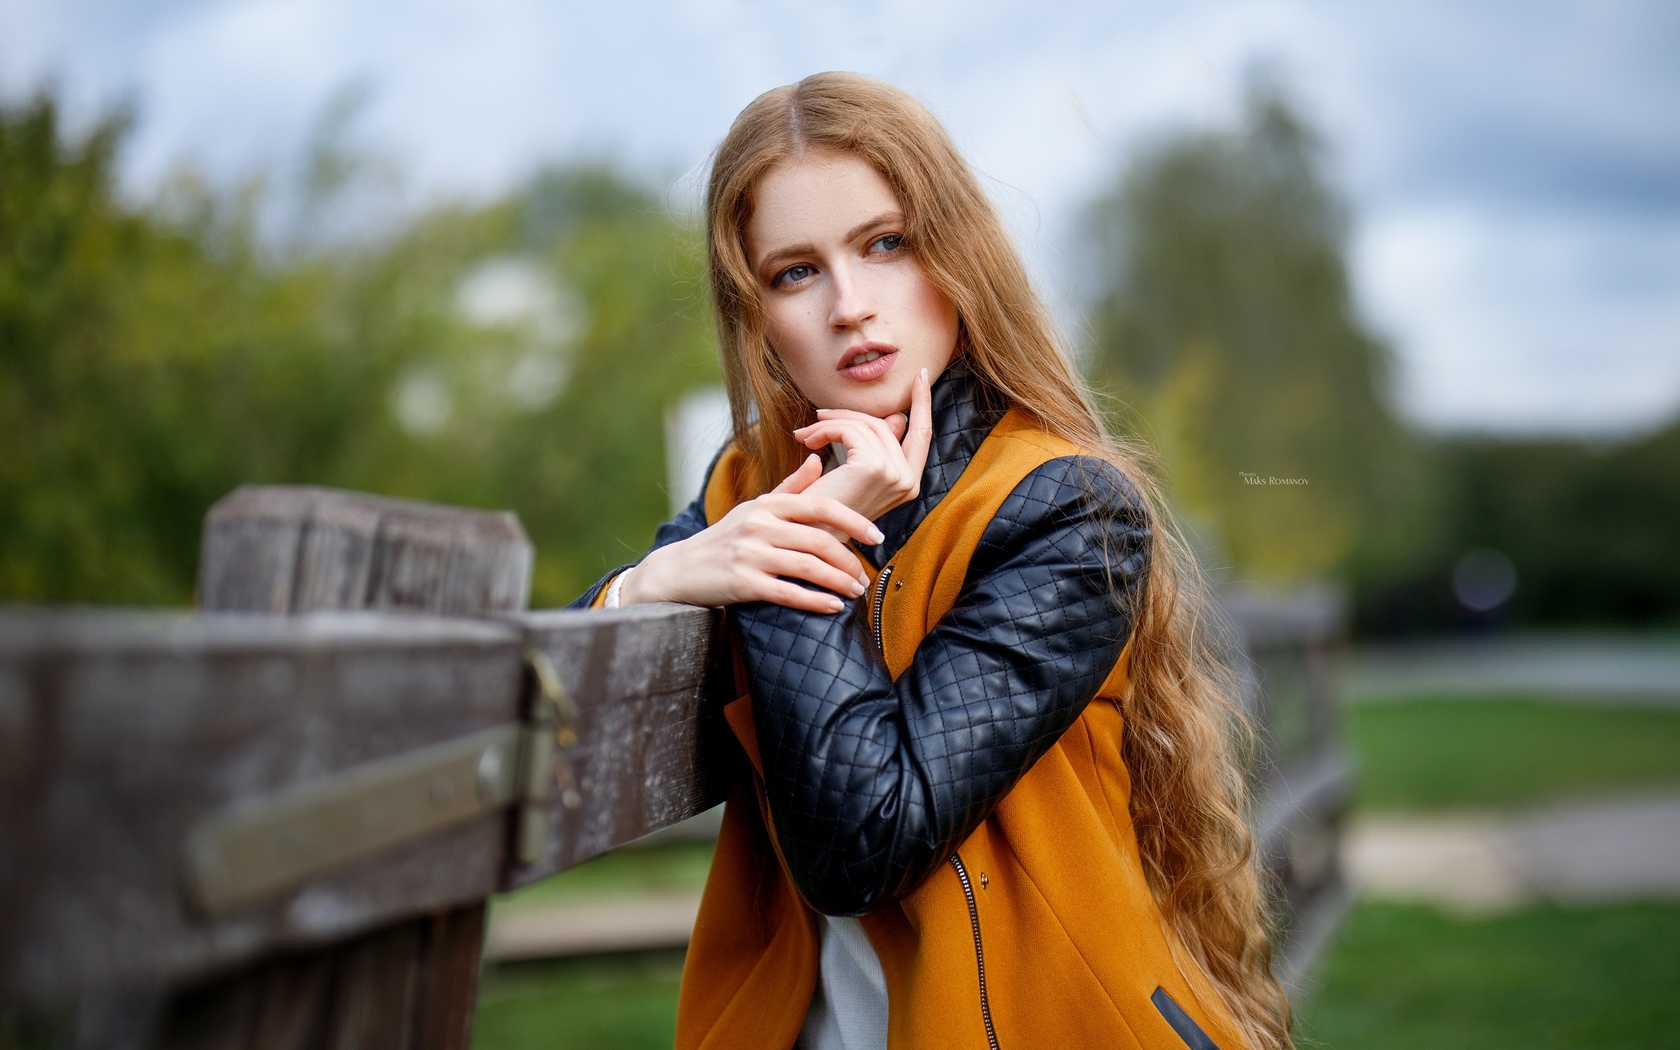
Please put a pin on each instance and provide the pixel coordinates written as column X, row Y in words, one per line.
column 1225, row 321
column 515, row 354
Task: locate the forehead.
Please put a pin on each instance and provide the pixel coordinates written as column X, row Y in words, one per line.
column 815, row 199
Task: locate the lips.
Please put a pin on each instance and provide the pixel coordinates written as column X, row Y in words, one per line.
column 866, row 361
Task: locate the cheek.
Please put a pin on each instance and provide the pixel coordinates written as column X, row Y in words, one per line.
column 934, row 309
column 789, row 332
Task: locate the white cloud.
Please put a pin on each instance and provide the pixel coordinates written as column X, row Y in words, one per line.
column 1438, row 120
column 1526, row 322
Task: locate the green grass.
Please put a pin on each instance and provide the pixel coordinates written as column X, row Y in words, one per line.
column 1400, row 977
column 1440, row 753
column 597, row 1003
column 625, row 1003
column 1409, row 976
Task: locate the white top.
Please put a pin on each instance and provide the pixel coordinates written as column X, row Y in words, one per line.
column 849, row 1007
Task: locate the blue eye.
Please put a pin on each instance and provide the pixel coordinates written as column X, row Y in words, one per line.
column 793, row 274
column 888, row 243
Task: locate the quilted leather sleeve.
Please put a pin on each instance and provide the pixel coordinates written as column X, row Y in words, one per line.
column 872, row 784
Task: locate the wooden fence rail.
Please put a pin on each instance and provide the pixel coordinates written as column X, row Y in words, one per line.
column 234, row 830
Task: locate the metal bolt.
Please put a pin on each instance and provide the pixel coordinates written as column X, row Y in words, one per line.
column 984, row 881
column 490, row 775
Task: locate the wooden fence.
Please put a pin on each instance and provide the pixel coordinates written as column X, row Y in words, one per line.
column 229, row 830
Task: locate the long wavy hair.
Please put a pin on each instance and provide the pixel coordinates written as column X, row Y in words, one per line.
column 1184, row 723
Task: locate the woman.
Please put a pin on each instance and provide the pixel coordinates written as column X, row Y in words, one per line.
column 986, row 796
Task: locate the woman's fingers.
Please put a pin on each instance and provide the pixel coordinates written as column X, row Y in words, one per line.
column 862, row 417
column 822, row 510
column 800, row 479
column 894, row 423
column 857, row 437
column 881, row 428
column 868, row 437
column 790, row 594
column 919, row 434
column 799, row 565
column 810, row 539
column 874, row 463
column 763, row 550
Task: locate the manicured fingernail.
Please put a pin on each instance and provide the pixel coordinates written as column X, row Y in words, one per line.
column 857, row 587
column 835, row 605
column 876, row 535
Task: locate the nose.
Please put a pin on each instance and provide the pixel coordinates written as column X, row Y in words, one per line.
column 852, row 304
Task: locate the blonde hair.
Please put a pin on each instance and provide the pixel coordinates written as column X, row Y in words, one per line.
column 1183, row 721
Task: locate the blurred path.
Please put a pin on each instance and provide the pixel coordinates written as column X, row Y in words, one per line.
column 1568, row 853
column 628, row 924
column 1600, row 668
column 1576, row 852
column 632, row 924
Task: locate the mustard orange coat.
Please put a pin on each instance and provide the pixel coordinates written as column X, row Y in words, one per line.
column 1046, row 902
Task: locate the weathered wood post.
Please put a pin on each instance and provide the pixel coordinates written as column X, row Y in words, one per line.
column 236, row 831
column 289, row 550
column 1304, row 776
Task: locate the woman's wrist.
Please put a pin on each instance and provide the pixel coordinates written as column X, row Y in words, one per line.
column 640, row 583
column 626, row 584
column 615, row 589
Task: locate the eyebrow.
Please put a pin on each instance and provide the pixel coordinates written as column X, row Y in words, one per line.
column 775, row 258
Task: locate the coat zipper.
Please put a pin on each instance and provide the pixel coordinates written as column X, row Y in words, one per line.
column 956, row 861
column 880, row 600
column 979, row 953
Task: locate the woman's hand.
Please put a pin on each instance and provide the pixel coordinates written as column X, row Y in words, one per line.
column 884, row 457
column 745, row 556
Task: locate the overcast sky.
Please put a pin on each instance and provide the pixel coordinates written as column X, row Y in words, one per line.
column 1513, row 168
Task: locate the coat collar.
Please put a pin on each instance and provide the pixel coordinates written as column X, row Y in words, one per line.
column 965, row 410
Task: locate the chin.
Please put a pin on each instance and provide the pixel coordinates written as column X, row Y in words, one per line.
column 883, row 404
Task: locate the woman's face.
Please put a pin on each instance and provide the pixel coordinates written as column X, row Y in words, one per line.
column 850, row 313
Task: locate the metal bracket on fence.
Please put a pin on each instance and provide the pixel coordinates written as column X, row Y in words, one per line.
column 258, row 847
column 553, row 718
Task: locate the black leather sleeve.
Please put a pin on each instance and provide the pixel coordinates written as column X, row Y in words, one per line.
column 690, row 521
column 873, row 783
